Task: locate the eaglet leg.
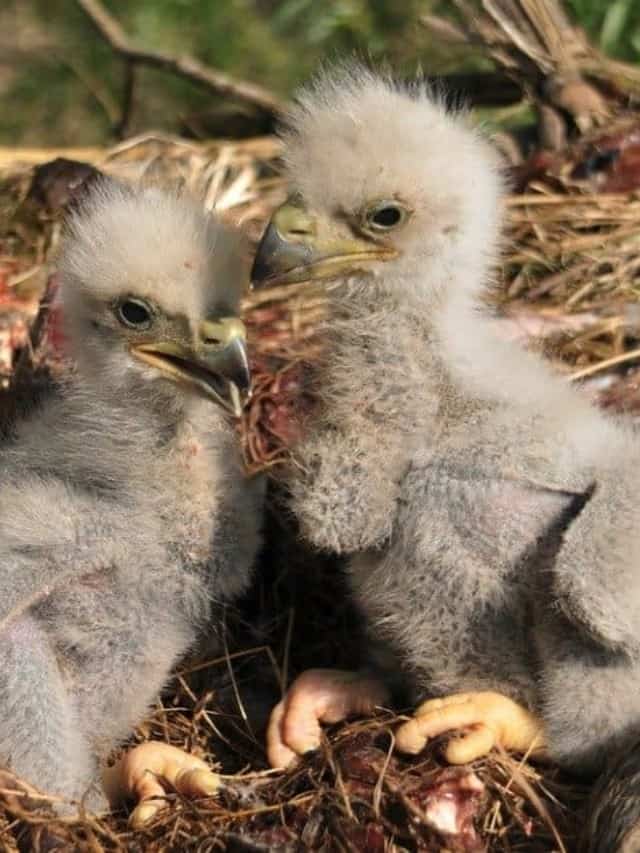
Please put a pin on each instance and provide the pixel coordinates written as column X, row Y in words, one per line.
column 41, row 739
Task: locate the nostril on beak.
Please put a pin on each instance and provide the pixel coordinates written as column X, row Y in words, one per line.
column 298, row 232
column 217, row 333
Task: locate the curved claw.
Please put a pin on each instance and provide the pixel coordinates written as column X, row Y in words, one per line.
column 318, row 696
column 489, row 719
column 143, row 772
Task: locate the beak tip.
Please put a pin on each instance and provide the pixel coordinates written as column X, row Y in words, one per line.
column 239, row 398
column 260, row 271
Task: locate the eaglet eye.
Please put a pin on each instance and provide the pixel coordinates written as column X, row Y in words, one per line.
column 135, row 313
column 385, row 216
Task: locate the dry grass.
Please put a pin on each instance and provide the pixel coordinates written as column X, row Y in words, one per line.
column 353, row 794
column 569, row 286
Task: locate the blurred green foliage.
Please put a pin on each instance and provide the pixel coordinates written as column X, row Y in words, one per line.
column 65, row 85
column 613, row 25
column 61, row 85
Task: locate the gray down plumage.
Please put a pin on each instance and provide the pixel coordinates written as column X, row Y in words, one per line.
column 489, row 514
column 125, row 520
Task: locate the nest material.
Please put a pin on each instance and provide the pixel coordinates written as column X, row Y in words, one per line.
column 353, row 795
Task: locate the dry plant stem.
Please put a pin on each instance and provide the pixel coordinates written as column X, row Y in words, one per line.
column 184, row 66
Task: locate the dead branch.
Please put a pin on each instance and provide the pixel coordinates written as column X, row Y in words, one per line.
column 534, row 43
column 183, row 66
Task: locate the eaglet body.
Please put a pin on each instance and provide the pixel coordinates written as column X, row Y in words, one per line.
column 486, row 509
column 125, row 519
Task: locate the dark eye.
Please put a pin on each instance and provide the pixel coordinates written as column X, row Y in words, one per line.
column 135, row 313
column 385, row 216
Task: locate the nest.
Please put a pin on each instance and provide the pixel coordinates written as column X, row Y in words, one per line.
column 568, row 286
column 354, row 794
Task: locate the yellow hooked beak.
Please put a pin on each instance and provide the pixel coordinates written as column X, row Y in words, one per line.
column 299, row 247
column 216, row 364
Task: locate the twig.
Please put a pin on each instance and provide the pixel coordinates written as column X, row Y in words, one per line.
column 184, row 66
column 128, row 90
column 630, row 355
column 98, row 91
column 534, row 43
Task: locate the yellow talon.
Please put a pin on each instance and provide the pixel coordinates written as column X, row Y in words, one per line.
column 143, row 773
column 488, row 718
column 143, row 813
column 318, row 696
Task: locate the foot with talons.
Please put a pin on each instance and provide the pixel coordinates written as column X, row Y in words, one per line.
column 487, row 719
column 146, row 773
column 318, row 696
